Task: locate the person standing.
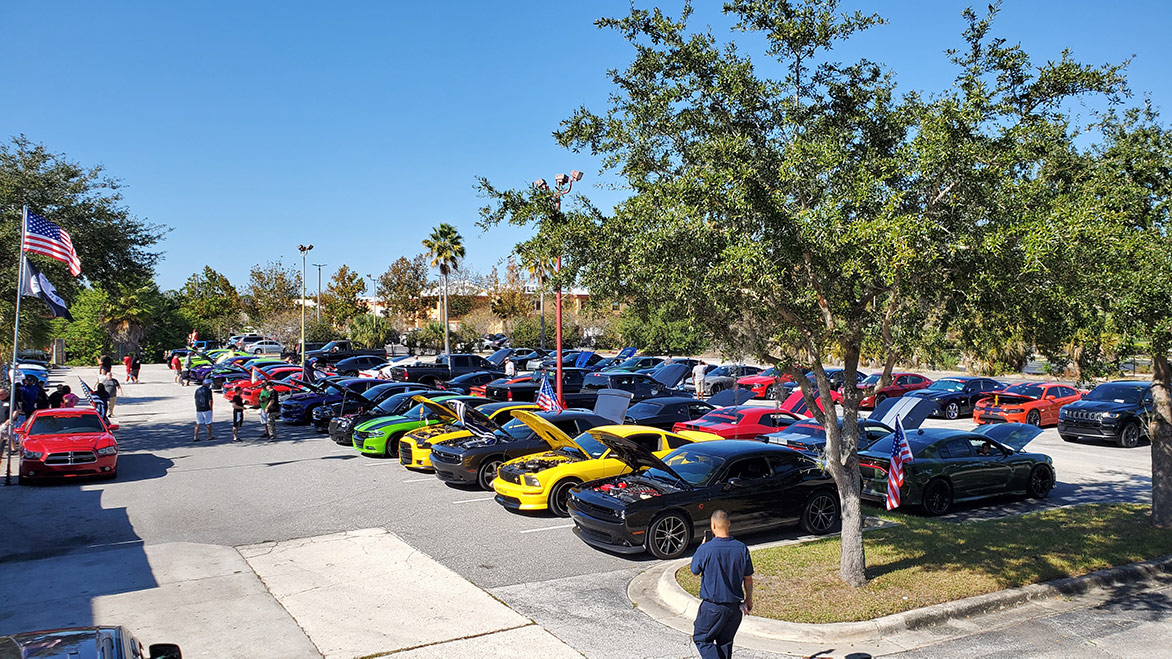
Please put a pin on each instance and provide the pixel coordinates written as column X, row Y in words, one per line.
column 510, row 367
column 203, row 411
column 57, row 397
column 698, row 372
column 135, row 367
column 266, row 392
column 127, row 360
column 113, row 388
column 272, row 411
column 185, row 378
column 726, row 589
column 176, row 366
column 27, row 400
column 237, row 416
column 68, row 398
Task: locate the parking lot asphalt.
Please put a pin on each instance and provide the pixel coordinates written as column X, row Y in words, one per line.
column 171, row 489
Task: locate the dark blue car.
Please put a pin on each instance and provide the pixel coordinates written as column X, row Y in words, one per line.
column 298, row 408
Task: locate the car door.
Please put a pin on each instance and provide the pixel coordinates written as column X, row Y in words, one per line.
column 962, row 466
column 743, row 491
column 995, row 470
column 786, row 495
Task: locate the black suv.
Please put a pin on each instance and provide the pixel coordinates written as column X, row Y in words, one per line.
column 1114, row 410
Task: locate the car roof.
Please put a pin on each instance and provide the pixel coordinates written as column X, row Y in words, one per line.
column 1136, row 383
column 669, row 400
column 489, row 408
column 725, row 448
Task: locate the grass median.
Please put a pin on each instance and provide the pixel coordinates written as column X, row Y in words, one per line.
column 925, row 561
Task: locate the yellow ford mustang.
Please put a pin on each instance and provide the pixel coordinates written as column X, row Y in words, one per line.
column 415, row 446
column 543, row 481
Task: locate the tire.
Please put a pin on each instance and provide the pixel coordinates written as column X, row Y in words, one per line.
column 256, row 352
column 1068, row 438
column 391, row 450
column 1041, row 482
column 1129, row 437
column 714, row 389
column 669, row 536
column 820, row 514
column 937, row 498
column 771, row 392
column 879, row 398
column 487, row 472
column 1034, row 418
column 559, row 495
column 952, row 410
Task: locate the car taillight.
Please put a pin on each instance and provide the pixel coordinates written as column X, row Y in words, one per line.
column 509, row 396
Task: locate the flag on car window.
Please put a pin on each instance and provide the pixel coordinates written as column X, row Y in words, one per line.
column 900, row 454
column 547, row 398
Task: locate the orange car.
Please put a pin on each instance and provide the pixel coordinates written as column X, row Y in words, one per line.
column 1035, row 403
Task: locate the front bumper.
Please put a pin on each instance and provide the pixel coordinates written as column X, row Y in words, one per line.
column 104, row 465
column 520, row 497
column 984, row 416
column 608, row 534
column 1084, row 429
column 412, row 456
column 374, row 445
column 293, row 414
column 455, row 473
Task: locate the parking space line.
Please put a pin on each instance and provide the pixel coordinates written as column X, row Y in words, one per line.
column 548, row 528
column 418, row 480
column 479, row 499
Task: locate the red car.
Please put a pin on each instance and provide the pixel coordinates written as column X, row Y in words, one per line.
column 70, row 441
column 239, row 386
column 796, row 403
column 1035, row 403
column 765, row 383
column 901, row 383
column 250, row 392
column 739, row 422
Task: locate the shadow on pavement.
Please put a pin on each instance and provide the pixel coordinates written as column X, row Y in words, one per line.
column 154, row 436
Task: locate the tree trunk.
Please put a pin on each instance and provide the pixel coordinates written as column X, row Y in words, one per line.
column 852, row 565
column 447, row 346
column 1160, row 429
column 844, row 468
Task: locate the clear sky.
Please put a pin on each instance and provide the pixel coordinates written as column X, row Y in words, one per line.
column 250, row 127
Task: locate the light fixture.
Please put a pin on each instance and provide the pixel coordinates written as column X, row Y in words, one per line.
column 540, row 184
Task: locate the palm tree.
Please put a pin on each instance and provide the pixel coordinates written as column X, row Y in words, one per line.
column 445, row 246
column 538, row 267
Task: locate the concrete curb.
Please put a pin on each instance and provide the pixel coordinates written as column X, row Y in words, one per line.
column 657, row 593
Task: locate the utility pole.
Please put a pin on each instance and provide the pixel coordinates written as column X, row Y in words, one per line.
column 319, row 266
column 304, row 249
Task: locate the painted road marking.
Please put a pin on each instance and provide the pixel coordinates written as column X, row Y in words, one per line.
column 548, row 528
column 472, row 500
column 419, row 480
column 115, row 544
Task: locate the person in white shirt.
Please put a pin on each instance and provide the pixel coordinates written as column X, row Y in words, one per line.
column 510, row 367
column 698, row 378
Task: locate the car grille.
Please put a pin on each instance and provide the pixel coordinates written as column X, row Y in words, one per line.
column 1082, row 415
column 509, row 475
column 71, row 458
column 438, row 455
column 404, row 453
column 595, row 511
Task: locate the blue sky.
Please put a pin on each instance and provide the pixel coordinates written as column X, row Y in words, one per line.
column 250, row 127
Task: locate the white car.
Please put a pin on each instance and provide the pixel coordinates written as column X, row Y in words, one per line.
column 265, row 347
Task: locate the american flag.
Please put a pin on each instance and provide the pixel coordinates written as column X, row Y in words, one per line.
column 546, row 398
column 900, row 453
column 44, row 237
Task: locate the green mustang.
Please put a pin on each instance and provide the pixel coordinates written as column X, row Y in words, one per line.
column 957, row 465
column 380, row 436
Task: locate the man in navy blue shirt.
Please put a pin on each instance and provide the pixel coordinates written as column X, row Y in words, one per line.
column 726, row 589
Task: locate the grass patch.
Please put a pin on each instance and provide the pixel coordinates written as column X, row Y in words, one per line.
column 926, row 561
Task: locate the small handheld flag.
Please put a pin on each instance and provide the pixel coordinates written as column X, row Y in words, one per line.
column 546, row 398
column 44, row 237
column 901, row 453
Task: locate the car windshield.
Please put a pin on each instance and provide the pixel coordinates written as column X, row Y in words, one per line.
column 644, row 409
column 630, row 363
column 723, row 416
column 883, row 446
column 395, row 404
column 77, row 423
column 872, row 379
column 420, row 411
column 947, row 385
column 723, row 371
column 514, row 429
column 694, row 467
column 1025, row 389
column 591, row 446
column 1116, row 393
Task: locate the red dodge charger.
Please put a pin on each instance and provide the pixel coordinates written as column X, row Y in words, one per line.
column 71, row 441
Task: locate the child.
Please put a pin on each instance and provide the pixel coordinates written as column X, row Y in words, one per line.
column 237, row 416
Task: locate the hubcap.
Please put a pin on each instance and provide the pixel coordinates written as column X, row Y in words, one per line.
column 669, row 535
column 953, row 411
column 1131, row 436
column 822, row 513
column 490, row 472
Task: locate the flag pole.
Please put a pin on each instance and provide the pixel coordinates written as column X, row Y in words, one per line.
column 15, row 344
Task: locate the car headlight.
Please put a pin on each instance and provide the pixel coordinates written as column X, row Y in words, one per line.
column 32, row 455
column 1062, row 413
column 1014, row 411
column 531, row 480
column 108, row 450
column 1110, row 415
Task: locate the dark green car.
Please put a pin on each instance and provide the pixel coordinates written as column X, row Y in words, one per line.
column 958, row 465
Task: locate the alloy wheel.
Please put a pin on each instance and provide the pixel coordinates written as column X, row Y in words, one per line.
column 821, row 514
column 938, row 498
column 669, row 536
column 1041, row 481
column 1130, row 436
column 1034, row 418
column 952, row 411
column 488, row 473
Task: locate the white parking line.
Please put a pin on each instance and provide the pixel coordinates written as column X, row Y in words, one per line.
column 472, row 500
column 418, row 480
column 548, row 528
column 115, row 544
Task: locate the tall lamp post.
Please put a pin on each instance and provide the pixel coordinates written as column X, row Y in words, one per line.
column 304, row 249
column 562, row 187
column 319, row 266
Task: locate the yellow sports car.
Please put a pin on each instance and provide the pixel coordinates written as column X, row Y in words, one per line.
column 543, row 481
column 415, row 446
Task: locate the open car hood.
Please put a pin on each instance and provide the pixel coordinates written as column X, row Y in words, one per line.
column 445, row 413
column 474, row 421
column 1011, row 435
column 911, row 412
column 730, row 397
column 634, row 456
column 671, row 375
column 545, row 430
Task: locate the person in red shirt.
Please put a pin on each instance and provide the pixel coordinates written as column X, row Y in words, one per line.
column 176, row 366
column 127, row 361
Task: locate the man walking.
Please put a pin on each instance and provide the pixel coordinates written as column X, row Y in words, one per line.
column 270, row 406
column 698, row 377
column 112, row 387
column 203, row 411
column 726, row 589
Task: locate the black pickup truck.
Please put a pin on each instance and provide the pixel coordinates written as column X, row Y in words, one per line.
column 445, row 368
column 337, row 350
column 580, row 387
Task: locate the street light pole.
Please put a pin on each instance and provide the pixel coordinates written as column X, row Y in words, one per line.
column 563, row 186
column 304, row 249
column 319, row 266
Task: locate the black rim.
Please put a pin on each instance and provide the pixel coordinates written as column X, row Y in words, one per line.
column 1042, row 481
column 953, row 410
column 669, row 534
column 822, row 513
column 937, row 500
column 557, row 501
column 1035, row 419
column 1130, row 436
column 488, row 473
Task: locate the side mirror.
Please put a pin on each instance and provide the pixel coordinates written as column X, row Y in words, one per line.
column 736, row 482
column 113, row 426
column 165, row 651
